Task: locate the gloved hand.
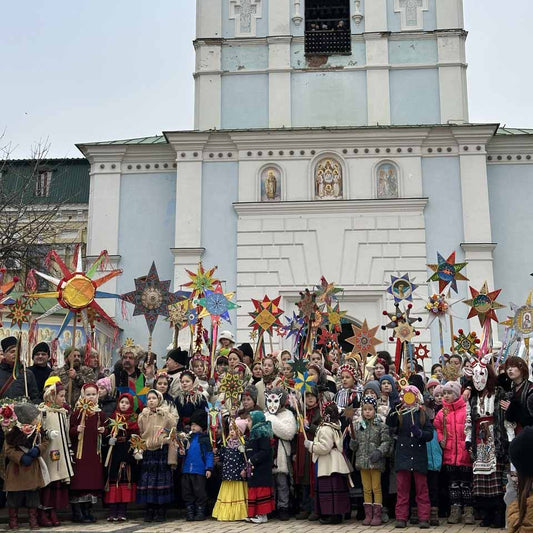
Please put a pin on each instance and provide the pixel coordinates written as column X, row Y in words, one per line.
column 112, row 441
column 138, row 456
column 53, row 434
column 353, row 445
column 416, row 431
column 26, row 460
column 375, row 456
column 308, row 444
column 34, row 452
column 468, row 446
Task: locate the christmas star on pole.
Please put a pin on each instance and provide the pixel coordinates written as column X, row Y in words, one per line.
column 201, row 280
column 447, row 272
column 401, row 288
column 327, row 292
column 217, row 304
column 364, row 340
column 522, row 320
column 333, row 318
column 266, row 315
column 483, row 303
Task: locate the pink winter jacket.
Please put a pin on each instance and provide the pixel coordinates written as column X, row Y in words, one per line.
column 454, row 453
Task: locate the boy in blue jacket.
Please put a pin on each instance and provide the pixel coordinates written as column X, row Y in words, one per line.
column 197, row 468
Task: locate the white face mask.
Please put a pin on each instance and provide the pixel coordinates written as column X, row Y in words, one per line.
column 480, row 375
column 273, row 402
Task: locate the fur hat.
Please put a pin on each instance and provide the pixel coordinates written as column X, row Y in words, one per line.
column 519, row 451
column 179, row 356
column 26, row 412
column 454, row 387
column 371, row 401
column 130, row 347
column 199, row 417
column 372, row 385
column 432, row 382
column 41, row 347
column 251, row 390
column 7, row 343
column 228, row 335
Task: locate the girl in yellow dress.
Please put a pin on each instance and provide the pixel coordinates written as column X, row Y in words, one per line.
column 232, row 501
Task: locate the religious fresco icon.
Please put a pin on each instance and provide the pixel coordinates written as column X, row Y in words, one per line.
column 387, row 181
column 328, row 180
column 270, row 185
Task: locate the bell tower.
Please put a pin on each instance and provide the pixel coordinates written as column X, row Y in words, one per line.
column 315, row 63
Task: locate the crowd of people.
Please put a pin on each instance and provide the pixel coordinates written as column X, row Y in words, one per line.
column 250, row 439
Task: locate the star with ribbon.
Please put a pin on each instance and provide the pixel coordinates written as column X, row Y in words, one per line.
column 399, row 319
column 483, row 303
column 447, row 272
column 201, row 280
column 364, row 340
column 217, row 304
column 422, row 351
column 266, row 315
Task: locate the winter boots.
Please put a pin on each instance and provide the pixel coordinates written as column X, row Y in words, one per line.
column 468, row 515
column 455, row 515
column 376, row 518
column 368, row 514
column 32, row 514
column 189, row 513
column 13, row 518
column 434, row 516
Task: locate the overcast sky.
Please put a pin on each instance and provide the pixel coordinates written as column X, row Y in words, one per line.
column 99, row 70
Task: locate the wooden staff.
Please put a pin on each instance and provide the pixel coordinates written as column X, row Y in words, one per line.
column 69, row 392
column 302, row 422
column 451, row 320
column 114, row 434
column 79, row 450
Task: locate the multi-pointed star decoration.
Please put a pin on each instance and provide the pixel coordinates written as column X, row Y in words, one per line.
column 364, row 340
column 326, row 292
column 333, row 318
column 19, row 312
column 178, row 314
column 522, row 320
column 307, row 305
column 463, row 343
column 398, row 319
column 152, row 297
column 422, row 352
column 439, row 307
column 327, row 336
column 294, row 326
column 483, row 304
column 217, row 304
column 447, row 272
column 266, row 315
column 201, row 280
column 401, row 288
column 77, row 290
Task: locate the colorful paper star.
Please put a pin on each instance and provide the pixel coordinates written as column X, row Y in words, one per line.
column 465, row 343
column 522, row 320
column 303, row 381
column 364, row 340
column 483, row 303
column 299, row 365
column 178, row 314
column 19, row 313
column 422, row 352
column 266, row 315
column 201, row 280
column 327, row 336
column 399, row 318
column 217, row 304
column 152, row 297
column 326, row 292
column 138, row 390
column 401, row 288
column 77, row 290
column 447, row 272
column 231, row 386
column 439, row 307
column 333, row 318
column 307, row 305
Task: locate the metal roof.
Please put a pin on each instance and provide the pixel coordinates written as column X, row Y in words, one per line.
column 156, row 139
column 514, row 131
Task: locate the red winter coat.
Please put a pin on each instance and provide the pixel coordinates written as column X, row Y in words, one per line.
column 454, row 453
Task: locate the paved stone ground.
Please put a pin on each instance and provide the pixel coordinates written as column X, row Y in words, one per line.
column 273, row 526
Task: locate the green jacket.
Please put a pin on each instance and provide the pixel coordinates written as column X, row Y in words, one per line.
column 375, row 436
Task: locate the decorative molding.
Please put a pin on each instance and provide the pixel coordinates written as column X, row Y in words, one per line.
column 396, row 205
column 357, row 15
column 245, row 13
column 478, row 251
column 187, row 252
column 297, row 17
column 411, row 13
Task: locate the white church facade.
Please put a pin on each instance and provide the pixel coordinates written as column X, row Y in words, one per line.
column 331, row 138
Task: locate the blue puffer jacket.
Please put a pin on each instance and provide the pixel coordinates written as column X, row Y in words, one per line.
column 199, row 456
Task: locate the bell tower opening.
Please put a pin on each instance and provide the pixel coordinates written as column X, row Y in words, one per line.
column 327, row 27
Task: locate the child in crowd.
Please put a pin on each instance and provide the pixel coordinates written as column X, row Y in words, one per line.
column 259, row 469
column 389, row 395
column 197, row 468
column 191, row 397
column 371, row 444
column 269, row 380
column 87, row 425
column 155, row 487
column 450, row 425
column 232, row 501
column 121, row 472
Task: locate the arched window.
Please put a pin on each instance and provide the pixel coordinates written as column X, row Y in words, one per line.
column 328, row 179
column 327, row 27
column 387, row 180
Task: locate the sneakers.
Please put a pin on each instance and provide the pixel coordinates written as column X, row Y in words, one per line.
column 259, row 519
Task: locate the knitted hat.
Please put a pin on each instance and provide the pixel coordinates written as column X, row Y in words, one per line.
column 242, row 424
column 179, row 356
column 7, row 343
column 199, row 417
column 41, row 347
column 372, row 385
column 438, row 389
column 105, row 383
column 432, row 382
column 388, row 378
column 369, row 400
column 383, row 363
column 26, row 412
column 251, row 390
column 454, row 387
column 519, row 452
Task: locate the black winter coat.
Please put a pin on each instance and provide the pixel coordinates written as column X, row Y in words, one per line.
column 411, row 452
column 17, row 389
column 259, row 453
column 520, row 410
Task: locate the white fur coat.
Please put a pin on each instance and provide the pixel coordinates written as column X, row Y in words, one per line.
column 284, row 428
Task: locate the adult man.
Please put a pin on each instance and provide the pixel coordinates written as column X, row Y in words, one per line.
column 94, row 363
column 40, row 368
column 177, row 362
column 74, row 372
column 11, row 387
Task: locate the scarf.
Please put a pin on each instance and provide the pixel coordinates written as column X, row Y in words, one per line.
column 260, row 426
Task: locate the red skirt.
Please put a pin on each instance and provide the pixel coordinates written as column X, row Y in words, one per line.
column 55, row 495
column 121, row 493
column 260, row 500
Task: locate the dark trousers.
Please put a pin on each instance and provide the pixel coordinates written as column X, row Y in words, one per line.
column 460, row 485
column 193, row 489
column 433, row 487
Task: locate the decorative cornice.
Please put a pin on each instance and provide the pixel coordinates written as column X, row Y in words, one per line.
column 184, row 252
column 399, row 205
column 478, row 251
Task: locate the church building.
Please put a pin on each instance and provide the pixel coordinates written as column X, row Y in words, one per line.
column 331, row 138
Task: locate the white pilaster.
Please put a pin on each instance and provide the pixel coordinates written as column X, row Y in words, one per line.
column 377, row 79
column 208, row 19
column 450, row 14
column 279, row 17
column 279, row 90
column 375, row 15
column 452, row 77
column 208, row 85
